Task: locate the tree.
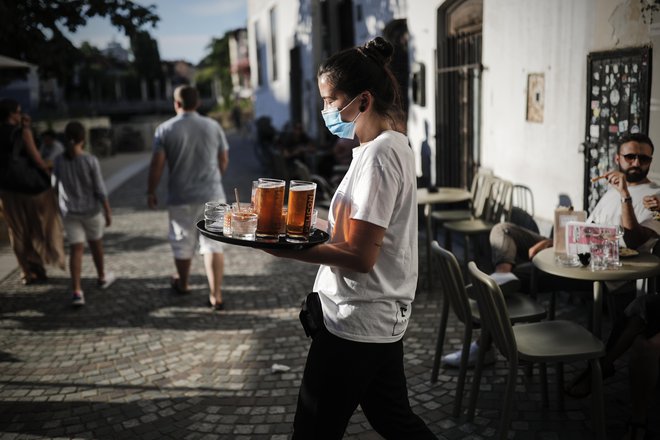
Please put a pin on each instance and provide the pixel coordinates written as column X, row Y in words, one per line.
column 32, row 30
column 216, row 65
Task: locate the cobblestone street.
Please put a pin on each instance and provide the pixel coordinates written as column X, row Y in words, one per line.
column 138, row 361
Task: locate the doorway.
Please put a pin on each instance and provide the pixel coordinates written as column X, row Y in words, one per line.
column 458, row 92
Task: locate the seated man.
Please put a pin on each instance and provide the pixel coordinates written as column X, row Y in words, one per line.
column 622, row 204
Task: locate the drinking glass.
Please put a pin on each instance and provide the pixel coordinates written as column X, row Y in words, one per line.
column 301, row 209
column 269, row 200
column 243, row 222
column 214, row 214
column 613, row 237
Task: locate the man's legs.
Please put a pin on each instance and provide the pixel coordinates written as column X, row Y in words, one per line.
column 214, row 263
column 510, row 245
column 96, row 248
column 183, row 274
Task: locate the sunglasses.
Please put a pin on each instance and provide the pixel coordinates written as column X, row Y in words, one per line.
column 643, row 158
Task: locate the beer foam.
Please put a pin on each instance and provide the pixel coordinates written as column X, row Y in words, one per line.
column 303, row 188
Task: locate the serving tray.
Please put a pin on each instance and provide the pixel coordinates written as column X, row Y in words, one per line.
column 315, row 238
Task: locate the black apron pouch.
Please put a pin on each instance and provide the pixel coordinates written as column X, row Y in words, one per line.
column 311, row 315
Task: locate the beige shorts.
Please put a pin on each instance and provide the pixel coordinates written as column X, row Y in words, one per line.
column 81, row 228
column 183, row 234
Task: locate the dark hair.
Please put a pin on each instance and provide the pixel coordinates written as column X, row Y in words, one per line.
column 187, row 96
column 365, row 68
column 49, row 133
column 74, row 132
column 640, row 138
column 7, row 107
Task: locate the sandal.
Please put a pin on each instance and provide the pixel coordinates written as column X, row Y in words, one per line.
column 217, row 305
column 174, row 284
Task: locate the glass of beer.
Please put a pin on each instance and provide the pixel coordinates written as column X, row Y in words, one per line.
column 300, row 210
column 269, row 201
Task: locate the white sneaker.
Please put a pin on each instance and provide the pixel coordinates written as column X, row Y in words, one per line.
column 110, row 278
column 78, row 298
column 508, row 282
column 454, row 359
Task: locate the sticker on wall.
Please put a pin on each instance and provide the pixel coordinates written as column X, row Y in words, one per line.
column 614, row 129
column 615, row 97
column 594, row 90
column 594, row 131
column 623, row 125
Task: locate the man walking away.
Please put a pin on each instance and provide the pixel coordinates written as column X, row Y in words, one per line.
column 196, row 152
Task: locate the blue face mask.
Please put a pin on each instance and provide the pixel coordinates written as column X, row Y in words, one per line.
column 338, row 127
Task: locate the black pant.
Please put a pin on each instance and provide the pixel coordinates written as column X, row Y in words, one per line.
column 339, row 375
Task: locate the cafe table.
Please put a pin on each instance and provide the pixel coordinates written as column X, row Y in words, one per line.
column 443, row 194
column 633, row 268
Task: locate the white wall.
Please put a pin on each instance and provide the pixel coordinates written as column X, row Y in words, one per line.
column 272, row 97
column 535, row 36
column 422, row 26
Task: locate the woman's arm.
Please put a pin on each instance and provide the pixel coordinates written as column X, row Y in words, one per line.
column 31, row 148
column 358, row 253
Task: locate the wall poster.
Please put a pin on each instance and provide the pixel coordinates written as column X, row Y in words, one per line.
column 618, row 98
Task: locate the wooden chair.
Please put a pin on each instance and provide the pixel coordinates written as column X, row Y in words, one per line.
column 497, row 207
column 542, row 342
column 521, row 309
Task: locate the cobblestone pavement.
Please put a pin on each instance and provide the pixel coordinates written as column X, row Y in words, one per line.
column 141, row 362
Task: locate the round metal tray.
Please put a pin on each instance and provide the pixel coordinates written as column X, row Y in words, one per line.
column 315, row 238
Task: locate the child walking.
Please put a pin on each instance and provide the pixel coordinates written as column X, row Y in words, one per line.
column 84, row 205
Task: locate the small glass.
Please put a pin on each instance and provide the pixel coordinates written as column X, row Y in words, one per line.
column 613, row 237
column 599, row 255
column 214, row 214
column 243, row 222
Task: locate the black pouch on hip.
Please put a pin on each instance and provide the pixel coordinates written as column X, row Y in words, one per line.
column 311, row 315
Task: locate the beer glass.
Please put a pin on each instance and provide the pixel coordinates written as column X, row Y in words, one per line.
column 300, row 210
column 269, row 201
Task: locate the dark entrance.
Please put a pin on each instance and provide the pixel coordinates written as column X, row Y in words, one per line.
column 295, row 85
column 458, row 92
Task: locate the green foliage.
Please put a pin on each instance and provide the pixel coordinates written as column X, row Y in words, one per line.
column 32, row 30
column 216, row 65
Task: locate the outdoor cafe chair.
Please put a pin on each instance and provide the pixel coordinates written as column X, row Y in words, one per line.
column 541, row 342
column 521, row 309
column 478, row 192
column 496, row 208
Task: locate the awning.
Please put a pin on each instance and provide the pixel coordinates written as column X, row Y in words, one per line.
column 7, row 63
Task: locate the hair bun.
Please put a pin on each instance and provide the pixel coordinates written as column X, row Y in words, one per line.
column 380, row 49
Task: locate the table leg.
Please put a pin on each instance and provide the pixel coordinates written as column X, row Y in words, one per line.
column 598, row 308
column 429, row 280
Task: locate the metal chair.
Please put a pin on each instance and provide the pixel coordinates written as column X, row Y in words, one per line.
column 542, row 342
column 521, row 309
column 497, row 207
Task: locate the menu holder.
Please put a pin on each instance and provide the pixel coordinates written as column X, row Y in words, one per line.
column 578, row 236
column 563, row 215
column 316, row 237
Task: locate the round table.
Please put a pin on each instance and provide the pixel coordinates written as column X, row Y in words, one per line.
column 634, row 268
column 444, row 194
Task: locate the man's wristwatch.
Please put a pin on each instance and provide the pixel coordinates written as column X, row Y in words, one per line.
column 626, row 199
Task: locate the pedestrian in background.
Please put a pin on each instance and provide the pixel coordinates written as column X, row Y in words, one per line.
column 85, row 209
column 28, row 200
column 195, row 149
column 368, row 275
column 50, row 147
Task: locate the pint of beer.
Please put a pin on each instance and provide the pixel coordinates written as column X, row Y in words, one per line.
column 269, row 200
column 301, row 207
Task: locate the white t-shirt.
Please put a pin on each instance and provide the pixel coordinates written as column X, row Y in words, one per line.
column 608, row 209
column 379, row 188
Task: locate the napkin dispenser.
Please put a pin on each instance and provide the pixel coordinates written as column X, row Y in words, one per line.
column 563, row 215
